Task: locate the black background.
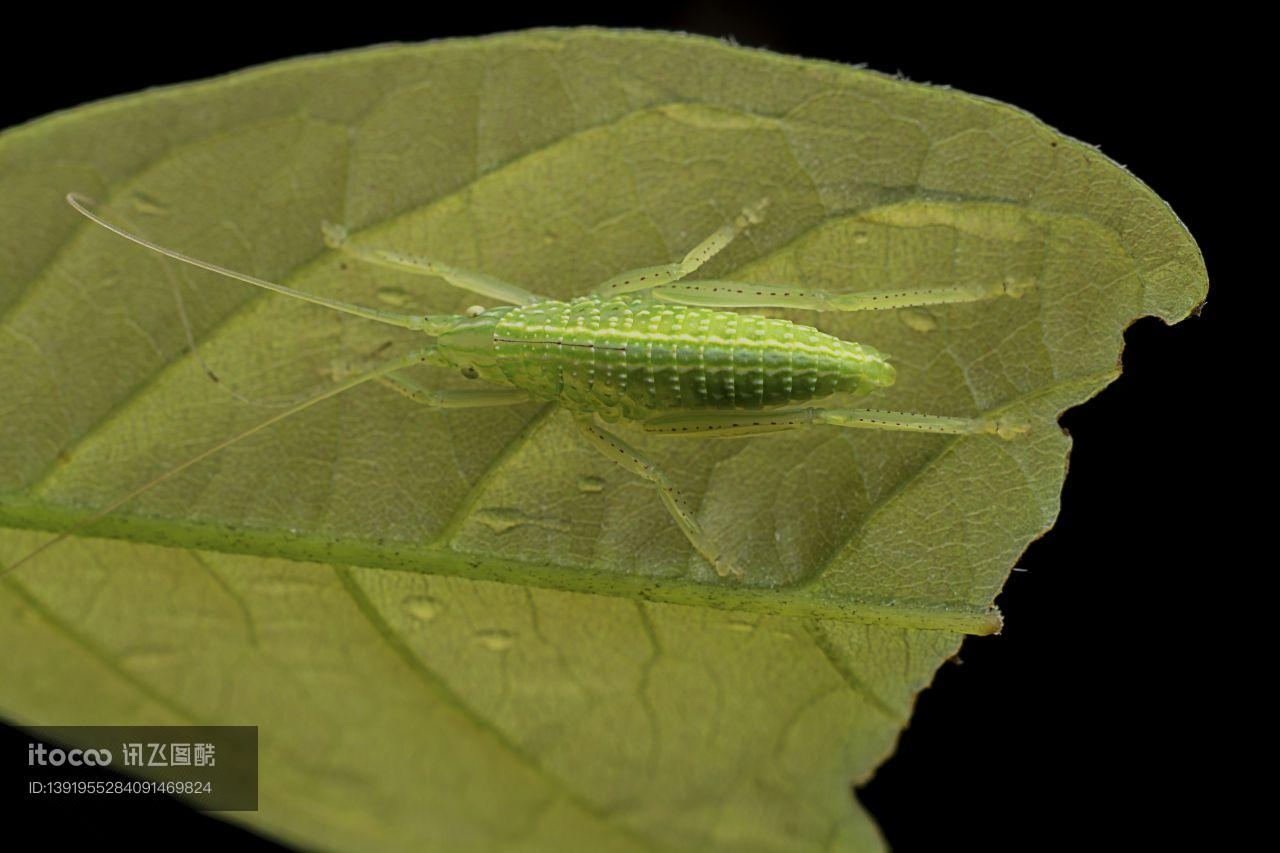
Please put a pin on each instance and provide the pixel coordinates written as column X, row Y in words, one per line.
column 1088, row 721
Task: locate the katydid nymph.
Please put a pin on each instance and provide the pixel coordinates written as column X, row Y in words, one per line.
column 649, row 346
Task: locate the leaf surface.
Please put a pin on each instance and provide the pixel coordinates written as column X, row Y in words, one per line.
column 466, row 628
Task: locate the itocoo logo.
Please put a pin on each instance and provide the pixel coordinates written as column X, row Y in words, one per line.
column 37, row 753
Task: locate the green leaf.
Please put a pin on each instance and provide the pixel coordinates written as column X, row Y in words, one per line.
column 466, row 628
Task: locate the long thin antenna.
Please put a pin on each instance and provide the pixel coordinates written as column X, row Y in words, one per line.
column 407, row 321
column 194, row 348
column 418, row 356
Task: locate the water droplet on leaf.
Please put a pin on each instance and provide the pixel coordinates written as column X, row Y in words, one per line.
column 495, row 641
column 423, row 608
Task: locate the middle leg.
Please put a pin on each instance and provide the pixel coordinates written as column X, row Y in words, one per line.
column 647, row 277
column 632, row 460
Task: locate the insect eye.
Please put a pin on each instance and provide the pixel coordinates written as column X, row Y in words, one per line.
column 470, row 373
column 475, row 310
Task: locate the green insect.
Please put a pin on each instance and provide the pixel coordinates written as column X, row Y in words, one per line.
column 647, row 346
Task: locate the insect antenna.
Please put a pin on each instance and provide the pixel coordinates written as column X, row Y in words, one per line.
column 406, row 321
column 422, row 355
column 193, row 347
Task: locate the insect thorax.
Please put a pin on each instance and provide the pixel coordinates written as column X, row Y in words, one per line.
column 634, row 357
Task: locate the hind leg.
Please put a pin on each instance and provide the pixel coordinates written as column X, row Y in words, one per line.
column 737, row 424
column 741, row 294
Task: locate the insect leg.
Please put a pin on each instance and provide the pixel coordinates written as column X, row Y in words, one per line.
column 454, row 398
column 335, row 237
column 646, row 277
column 632, row 460
column 739, row 294
column 736, row 424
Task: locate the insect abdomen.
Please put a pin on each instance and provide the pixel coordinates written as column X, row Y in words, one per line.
column 643, row 356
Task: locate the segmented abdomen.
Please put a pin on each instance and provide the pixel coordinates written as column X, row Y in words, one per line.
column 642, row 356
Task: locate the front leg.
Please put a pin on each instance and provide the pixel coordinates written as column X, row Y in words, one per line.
column 632, row 460
column 335, row 237
column 454, row 398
